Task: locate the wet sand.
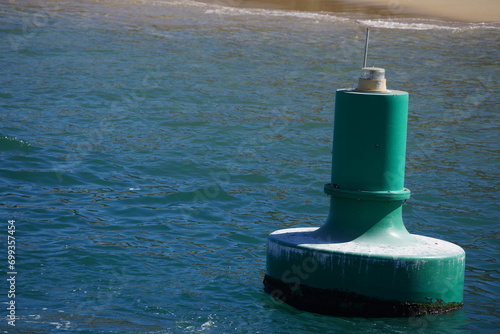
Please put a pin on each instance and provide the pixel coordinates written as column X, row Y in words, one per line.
column 453, row 10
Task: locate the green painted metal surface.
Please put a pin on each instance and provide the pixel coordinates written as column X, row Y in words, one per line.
column 410, row 271
column 369, row 141
column 368, row 162
column 363, row 256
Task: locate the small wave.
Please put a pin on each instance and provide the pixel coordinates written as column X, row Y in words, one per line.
column 405, row 24
column 424, row 25
column 223, row 10
column 12, row 143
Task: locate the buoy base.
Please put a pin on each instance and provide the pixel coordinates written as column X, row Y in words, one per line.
column 392, row 277
column 350, row 304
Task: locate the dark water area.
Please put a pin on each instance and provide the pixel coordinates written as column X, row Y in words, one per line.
column 149, row 148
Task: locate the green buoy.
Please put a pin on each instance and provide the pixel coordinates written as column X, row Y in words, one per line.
column 363, row 261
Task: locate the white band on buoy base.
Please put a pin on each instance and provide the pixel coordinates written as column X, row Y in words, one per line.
column 372, row 80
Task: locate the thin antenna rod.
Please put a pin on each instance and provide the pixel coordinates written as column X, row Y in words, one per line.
column 366, row 46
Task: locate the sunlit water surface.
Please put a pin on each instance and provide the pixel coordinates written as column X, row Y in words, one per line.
column 149, row 148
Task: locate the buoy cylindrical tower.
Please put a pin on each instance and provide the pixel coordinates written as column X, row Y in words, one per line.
column 363, row 261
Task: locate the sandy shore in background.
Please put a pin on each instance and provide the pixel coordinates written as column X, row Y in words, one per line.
column 455, row 10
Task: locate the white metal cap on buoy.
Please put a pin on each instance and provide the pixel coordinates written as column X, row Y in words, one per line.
column 372, row 79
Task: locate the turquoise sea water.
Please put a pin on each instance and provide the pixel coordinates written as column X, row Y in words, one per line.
column 148, row 148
